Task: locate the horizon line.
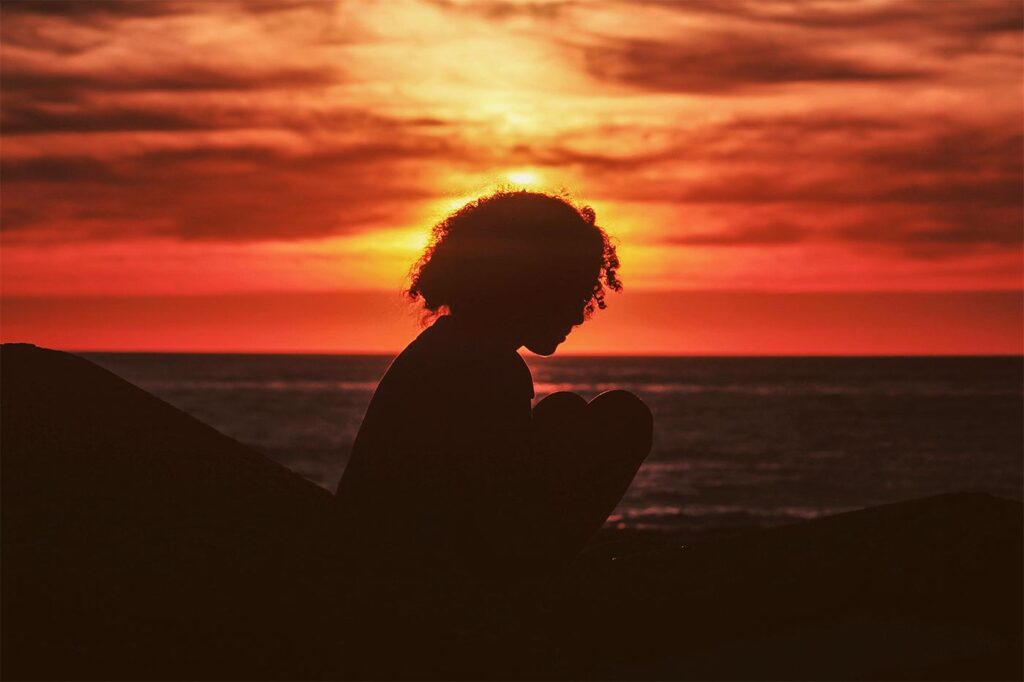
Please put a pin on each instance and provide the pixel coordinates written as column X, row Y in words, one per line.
column 399, row 293
column 528, row 355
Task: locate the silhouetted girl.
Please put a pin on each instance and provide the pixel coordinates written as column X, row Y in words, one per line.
column 451, row 465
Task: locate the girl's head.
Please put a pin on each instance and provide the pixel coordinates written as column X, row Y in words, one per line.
column 526, row 264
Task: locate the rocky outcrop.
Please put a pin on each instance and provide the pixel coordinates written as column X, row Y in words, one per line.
column 137, row 541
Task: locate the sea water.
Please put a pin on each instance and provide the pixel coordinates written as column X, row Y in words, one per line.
column 739, row 441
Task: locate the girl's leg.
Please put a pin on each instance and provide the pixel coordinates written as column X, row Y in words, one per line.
column 559, row 420
column 588, row 455
column 623, row 429
column 625, row 425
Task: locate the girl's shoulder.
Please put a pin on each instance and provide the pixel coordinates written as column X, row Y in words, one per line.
column 443, row 360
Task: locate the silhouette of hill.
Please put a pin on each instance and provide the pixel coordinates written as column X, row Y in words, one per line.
column 139, row 543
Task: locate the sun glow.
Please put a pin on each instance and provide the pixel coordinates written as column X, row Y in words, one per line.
column 526, row 178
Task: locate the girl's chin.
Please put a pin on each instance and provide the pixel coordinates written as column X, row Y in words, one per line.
column 544, row 347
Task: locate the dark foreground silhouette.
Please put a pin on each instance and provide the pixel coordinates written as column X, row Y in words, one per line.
column 451, row 466
column 139, row 543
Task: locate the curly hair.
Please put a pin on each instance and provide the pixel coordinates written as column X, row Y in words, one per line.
column 504, row 247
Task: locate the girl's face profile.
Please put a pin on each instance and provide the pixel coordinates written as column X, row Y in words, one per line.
column 552, row 318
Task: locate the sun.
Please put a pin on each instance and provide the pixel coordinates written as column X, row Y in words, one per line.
column 523, row 177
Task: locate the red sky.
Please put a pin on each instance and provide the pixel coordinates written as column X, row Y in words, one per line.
column 783, row 177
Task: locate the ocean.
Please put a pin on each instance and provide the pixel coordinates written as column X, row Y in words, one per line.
column 739, row 441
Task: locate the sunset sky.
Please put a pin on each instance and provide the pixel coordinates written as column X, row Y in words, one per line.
column 782, row 176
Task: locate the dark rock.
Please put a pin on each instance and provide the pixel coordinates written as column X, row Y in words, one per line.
column 927, row 589
column 137, row 541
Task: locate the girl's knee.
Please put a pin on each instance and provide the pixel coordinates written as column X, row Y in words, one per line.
column 560, row 406
column 621, row 405
column 560, row 421
column 624, row 416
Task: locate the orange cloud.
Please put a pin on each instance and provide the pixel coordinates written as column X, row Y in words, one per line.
column 739, row 144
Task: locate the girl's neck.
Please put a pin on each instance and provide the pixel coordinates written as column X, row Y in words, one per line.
column 485, row 332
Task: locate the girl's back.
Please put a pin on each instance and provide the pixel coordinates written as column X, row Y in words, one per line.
column 438, row 443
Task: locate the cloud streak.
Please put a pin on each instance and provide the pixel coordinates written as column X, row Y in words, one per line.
column 236, row 193
column 727, row 63
column 870, row 127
